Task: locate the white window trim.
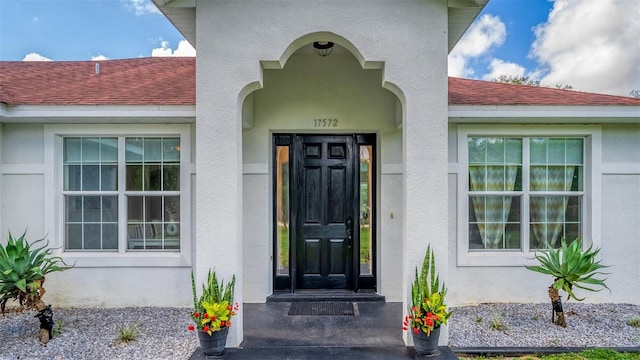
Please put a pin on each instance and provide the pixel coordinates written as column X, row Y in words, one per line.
column 54, row 201
column 591, row 221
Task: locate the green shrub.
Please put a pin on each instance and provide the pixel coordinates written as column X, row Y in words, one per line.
column 22, row 271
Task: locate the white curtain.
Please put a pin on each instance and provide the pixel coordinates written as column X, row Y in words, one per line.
column 492, row 211
column 548, row 212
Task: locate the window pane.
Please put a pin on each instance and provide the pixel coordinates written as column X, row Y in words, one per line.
column 134, row 177
column 73, row 211
column 477, row 151
column 92, row 236
column 538, row 150
column 72, row 176
column 282, row 209
column 502, row 170
column 92, row 208
column 366, row 207
column 555, row 151
column 549, row 218
column 152, row 178
column 109, row 150
column 171, row 177
column 134, row 208
column 90, row 149
column 494, row 222
column 171, row 148
column 73, row 237
column 153, row 223
column 109, row 177
column 495, row 151
column 85, row 216
column 90, row 177
column 110, row 209
column 134, row 149
column 110, row 236
column 152, row 150
column 574, row 151
column 153, row 208
column 514, row 151
column 72, row 150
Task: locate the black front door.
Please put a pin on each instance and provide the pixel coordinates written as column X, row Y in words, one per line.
column 324, row 210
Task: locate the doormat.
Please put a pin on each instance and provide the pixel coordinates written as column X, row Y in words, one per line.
column 322, row 308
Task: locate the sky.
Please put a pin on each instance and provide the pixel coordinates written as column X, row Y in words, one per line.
column 591, row 45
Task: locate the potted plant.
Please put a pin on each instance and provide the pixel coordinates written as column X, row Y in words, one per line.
column 570, row 267
column 427, row 311
column 22, row 273
column 212, row 313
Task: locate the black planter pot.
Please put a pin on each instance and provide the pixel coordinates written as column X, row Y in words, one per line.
column 427, row 346
column 213, row 345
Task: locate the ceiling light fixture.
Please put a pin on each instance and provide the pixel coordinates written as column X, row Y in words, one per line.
column 322, row 48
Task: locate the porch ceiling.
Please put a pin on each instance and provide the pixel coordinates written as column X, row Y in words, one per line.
column 182, row 14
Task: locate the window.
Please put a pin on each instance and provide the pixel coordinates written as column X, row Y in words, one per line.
column 522, row 192
column 110, row 179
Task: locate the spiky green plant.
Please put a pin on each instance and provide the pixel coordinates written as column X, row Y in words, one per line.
column 22, row 271
column 427, row 310
column 572, row 267
column 214, row 308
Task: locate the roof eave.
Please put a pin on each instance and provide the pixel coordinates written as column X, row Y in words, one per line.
column 88, row 114
column 461, row 14
column 182, row 14
column 544, row 114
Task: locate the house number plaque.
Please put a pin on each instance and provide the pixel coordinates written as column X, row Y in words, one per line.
column 325, row 123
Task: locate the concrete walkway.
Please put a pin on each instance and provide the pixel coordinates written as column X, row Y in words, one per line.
column 373, row 332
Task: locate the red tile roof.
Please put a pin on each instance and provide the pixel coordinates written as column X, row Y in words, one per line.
column 171, row 81
column 477, row 92
column 143, row 81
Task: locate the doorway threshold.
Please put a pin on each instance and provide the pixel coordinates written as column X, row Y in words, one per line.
column 325, row 295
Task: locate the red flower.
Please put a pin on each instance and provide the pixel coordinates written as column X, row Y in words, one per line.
column 206, row 316
column 229, row 307
column 221, row 324
column 206, row 329
column 213, row 318
column 196, row 314
column 191, row 327
column 415, row 330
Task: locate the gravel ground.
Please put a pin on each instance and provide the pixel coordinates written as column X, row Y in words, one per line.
column 529, row 325
column 92, row 333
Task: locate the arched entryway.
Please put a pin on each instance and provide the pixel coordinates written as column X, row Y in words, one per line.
column 323, row 127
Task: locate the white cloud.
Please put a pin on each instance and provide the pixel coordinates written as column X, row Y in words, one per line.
column 35, row 19
column 35, row 57
column 499, row 67
column 183, row 49
column 99, row 58
column 483, row 35
column 141, row 7
column 591, row 45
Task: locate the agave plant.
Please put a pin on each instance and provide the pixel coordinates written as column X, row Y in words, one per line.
column 571, row 268
column 22, row 271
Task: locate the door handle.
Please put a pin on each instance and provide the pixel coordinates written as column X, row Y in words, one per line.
column 349, row 227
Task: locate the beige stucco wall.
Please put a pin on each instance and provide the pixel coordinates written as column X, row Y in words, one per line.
column 618, row 211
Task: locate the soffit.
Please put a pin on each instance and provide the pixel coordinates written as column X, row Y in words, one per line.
column 182, row 14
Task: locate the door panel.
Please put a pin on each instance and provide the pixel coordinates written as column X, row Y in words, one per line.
column 324, row 198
